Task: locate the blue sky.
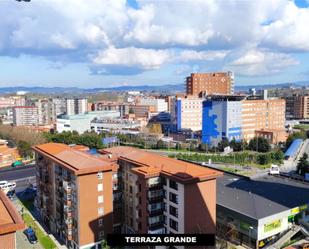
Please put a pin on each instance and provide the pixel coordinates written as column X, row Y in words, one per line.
column 102, row 43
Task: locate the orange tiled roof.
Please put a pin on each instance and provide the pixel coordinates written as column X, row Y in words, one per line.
column 181, row 170
column 118, row 151
column 10, row 220
column 73, row 158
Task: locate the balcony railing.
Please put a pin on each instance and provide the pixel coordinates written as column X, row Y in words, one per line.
column 155, row 199
column 156, row 225
column 155, row 186
column 156, row 212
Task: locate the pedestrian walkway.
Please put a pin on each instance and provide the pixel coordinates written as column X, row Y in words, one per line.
column 23, row 210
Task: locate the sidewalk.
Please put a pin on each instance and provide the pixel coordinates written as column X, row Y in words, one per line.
column 20, row 207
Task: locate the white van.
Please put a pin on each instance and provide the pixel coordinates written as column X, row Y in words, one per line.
column 274, row 170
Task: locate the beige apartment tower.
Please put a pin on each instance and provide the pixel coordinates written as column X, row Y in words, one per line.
column 264, row 118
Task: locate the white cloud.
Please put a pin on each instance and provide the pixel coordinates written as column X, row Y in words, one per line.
column 192, row 55
column 132, row 57
column 239, row 34
column 290, row 31
column 251, row 57
column 260, row 63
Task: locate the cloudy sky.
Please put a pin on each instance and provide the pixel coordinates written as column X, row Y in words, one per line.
column 102, row 43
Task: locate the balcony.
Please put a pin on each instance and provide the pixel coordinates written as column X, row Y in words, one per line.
column 68, row 223
column 156, row 225
column 155, row 186
column 156, row 212
column 66, row 177
column 67, row 209
column 155, row 199
column 157, row 231
column 67, row 186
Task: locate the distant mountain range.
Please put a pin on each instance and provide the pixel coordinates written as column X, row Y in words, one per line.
column 163, row 88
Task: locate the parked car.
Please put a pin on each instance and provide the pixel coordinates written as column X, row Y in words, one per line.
column 17, row 164
column 3, row 183
column 11, row 194
column 29, row 232
column 7, row 186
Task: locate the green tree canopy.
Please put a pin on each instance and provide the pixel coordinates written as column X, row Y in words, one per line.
column 259, row 144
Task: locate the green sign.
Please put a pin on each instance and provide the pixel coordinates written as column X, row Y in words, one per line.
column 271, row 226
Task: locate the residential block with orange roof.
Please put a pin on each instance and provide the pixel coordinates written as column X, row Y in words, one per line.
column 82, row 197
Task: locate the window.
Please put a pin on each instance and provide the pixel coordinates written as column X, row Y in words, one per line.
column 100, row 187
column 173, row 198
column 173, row 185
column 100, row 199
column 100, row 175
column 100, row 222
column 173, row 211
column 174, row 224
column 100, row 210
column 101, row 234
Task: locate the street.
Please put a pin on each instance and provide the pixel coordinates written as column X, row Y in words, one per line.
column 23, row 177
column 18, row 173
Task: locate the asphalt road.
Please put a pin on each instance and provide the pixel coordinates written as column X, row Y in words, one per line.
column 18, row 173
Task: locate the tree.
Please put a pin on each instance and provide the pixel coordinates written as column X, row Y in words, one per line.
column 259, row 144
column 24, row 149
column 277, row 156
column 263, row 159
column 303, row 165
column 222, row 144
column 178, row 146
column 237, row 145
column 160, row 144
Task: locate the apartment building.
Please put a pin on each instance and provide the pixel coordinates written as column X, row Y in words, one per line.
column 76, row 106
column 159, row 104
column 9, row 102
column 163, row 195
column 201, row 84
column 83, row 197
column 74, row 194
column 25, row 115
column 142, row 111
column 46, row 111
column 297, row 107
column 186, row 113
column 10, row 222
column 123, row 108
column 59, row 106
column 265, row 115
column 234, row 117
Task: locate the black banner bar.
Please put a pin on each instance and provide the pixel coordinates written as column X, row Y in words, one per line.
column 160, row 239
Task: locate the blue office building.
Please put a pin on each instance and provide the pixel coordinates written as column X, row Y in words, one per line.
column 221, row 119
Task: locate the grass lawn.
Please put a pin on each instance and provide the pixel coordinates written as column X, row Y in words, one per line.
column 301, row 127
column 44, row 239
